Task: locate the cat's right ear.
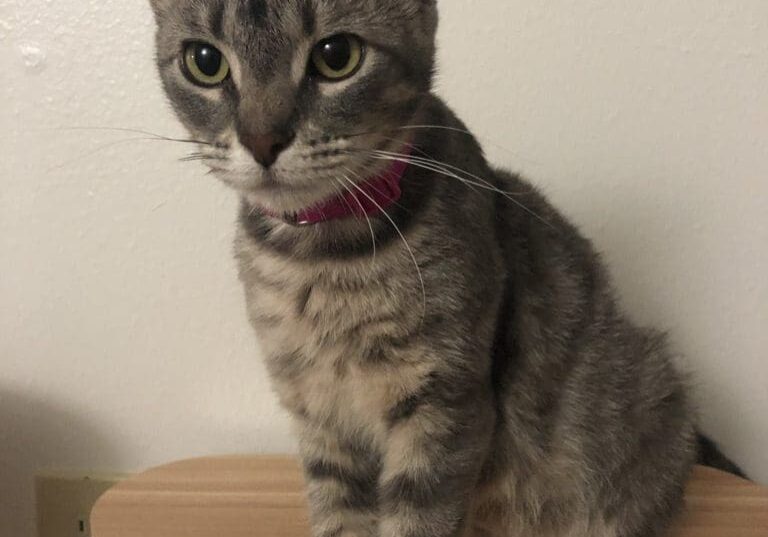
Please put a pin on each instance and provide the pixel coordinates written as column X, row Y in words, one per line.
column 160, row 7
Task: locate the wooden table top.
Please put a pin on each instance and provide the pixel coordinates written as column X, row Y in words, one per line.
column 264, row 496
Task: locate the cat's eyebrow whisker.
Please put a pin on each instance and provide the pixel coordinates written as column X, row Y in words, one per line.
column 405, row 242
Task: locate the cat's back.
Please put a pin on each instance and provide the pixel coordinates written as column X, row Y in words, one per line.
column 595, row 413
column 581, row 382
column 562, row 313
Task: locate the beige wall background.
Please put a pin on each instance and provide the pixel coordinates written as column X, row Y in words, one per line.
column 123, row 340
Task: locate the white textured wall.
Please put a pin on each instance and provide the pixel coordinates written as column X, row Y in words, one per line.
column 123, row 342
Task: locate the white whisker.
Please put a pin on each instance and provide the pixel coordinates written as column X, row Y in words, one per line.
column 442, row 168
column 151, row 135
column 472, row 135
column 405, row 242
column 365, row 214
column 93, row 152
column 447, row 166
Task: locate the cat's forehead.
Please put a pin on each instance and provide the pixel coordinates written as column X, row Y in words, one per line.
column 253, row 19
column 265, row 34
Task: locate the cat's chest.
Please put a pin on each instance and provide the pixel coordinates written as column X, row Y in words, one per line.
column 317, row 313
column 325, row 342
column 331, row 376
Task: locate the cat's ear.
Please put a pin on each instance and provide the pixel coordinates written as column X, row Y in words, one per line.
column 428, row 10
column 160, row 7
column 428, row 7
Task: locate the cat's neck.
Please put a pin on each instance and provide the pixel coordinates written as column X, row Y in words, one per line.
column 435, row 134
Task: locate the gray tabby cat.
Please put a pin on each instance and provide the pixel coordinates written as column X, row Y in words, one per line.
column 449, row 346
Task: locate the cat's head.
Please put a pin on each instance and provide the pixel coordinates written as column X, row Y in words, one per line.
column 287, row 95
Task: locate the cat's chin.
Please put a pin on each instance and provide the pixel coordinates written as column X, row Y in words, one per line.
column 276, row 194
column 282, row 199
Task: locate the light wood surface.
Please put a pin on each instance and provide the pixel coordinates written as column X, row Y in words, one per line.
column 264, row 497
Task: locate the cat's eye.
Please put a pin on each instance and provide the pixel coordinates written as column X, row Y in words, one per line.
column 337, row 57
column 204, row 64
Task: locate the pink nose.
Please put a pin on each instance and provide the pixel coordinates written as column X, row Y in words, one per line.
column 266, row 148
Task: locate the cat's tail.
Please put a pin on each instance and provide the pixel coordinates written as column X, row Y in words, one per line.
column 710, row 455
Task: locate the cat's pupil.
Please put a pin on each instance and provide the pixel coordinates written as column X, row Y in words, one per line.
column 336, row 53
column 208, row 59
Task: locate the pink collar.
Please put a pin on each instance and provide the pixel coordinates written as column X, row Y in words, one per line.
column 370, row 198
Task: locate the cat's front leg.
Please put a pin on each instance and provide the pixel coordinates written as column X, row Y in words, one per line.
column 342, row 480
column 438, row 442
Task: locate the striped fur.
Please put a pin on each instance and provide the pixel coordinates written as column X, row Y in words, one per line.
column 457, row 367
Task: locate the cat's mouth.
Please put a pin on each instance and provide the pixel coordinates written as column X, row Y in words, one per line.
column 372, row 197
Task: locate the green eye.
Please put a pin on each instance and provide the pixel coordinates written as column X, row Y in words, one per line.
column 205, row 65
column 337, row 57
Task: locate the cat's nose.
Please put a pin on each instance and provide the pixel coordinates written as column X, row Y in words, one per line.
column 266, row 148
